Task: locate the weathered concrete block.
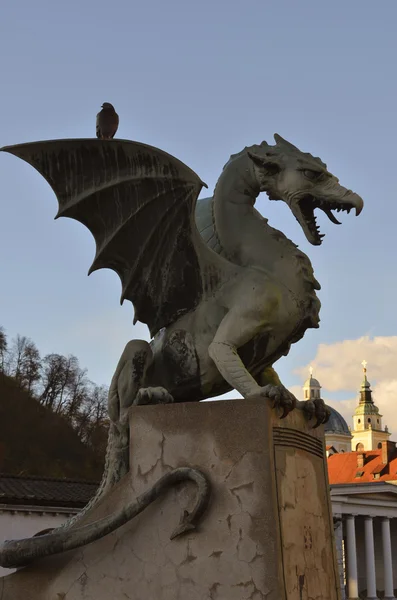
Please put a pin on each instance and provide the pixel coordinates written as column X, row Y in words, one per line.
column 267, row 533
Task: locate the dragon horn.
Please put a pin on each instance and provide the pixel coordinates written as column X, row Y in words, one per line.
column 280, row 140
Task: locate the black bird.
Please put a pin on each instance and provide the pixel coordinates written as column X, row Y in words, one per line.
column 107, row 122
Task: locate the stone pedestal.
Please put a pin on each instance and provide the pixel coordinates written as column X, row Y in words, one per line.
column 267, row 533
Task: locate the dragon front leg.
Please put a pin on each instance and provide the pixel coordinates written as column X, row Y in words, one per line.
column 236, row 329
column 281, row 396
column 313, row 409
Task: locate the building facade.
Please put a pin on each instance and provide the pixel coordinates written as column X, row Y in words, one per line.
column 362, row 470
column 31, row 505
column 365, row 525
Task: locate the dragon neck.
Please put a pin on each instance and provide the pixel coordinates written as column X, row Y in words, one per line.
column 244, row 236
column 233, row 201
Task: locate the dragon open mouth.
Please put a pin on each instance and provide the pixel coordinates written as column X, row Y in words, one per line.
column 307, row 205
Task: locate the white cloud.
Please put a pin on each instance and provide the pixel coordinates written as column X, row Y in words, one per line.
column 338, row 368
column 385, row 397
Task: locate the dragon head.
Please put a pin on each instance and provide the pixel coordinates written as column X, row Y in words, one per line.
column 303, row 182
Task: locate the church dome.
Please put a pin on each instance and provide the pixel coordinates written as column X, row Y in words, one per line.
column 311, row 383
column 336, row 423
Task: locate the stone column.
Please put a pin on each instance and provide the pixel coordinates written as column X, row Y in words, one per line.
column 370, row 559
column 338, row 534
column 351, row 550
column 387, row 560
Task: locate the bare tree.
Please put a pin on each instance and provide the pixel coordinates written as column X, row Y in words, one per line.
column 64, row 388
column 78, row 391
column 30, row 367
column 53, row 379
column 99, row 404
column 91, row 422
column 3, row 350
column 16, row 357
column 24, row 362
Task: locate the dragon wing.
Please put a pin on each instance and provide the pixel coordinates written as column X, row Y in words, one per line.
column 139, row 204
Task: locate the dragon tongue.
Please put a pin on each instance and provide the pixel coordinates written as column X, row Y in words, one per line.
column 331, row 216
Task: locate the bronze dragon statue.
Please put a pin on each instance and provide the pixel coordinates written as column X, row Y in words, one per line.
column 224, row 294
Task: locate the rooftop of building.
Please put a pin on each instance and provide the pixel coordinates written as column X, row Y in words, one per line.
column 312, row 382
column 42, row 491
column 364, row 466
column 336, row 424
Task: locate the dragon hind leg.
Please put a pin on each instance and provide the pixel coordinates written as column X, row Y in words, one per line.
column 153, row 395
column 124, row 389
column 127, row 388
column 128, row 379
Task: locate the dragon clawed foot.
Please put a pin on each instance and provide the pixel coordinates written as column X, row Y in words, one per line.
column 316, row 409
column 153, row 395
column 280, row 397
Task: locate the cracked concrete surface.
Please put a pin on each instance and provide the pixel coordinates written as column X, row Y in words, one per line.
column 242, row 550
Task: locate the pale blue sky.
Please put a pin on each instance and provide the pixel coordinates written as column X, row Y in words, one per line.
column 200, row 80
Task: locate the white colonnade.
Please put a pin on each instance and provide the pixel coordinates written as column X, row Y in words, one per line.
column 352, row 566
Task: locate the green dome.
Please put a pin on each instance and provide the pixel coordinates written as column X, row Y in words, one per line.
column 367, row 408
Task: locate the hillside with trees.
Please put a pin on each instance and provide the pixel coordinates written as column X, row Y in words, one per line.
column 53, row 419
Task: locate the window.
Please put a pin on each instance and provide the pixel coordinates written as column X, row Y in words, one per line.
column 359, row 447
column 379, row 445
column 369, row 420
column 306, row 394
column 358, row 420
column 312, row 393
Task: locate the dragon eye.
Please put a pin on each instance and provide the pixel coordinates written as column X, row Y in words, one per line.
column 313, row 175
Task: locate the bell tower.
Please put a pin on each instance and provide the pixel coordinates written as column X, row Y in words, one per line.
column 311, row 387
column 368, row 433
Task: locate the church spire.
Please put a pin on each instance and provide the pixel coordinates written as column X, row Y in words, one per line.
column 367, row 432
column 365, row 391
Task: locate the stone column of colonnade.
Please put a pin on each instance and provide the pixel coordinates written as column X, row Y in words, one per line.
column 387, row 559
column 370, row 572
column 370, row 558
column 338, row 535
column 351, row 555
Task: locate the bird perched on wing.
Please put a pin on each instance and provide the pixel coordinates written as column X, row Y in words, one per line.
column 107, row 122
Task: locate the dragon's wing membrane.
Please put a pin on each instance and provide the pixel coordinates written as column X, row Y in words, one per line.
column 138, row 202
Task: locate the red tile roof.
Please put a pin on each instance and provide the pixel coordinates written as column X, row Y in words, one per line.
column 343, row 468
column 379, row 468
